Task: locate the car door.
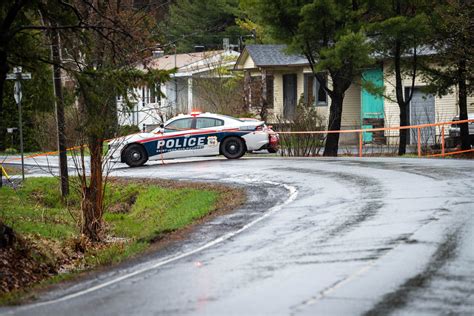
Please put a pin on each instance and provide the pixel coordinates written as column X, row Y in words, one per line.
column 208, row 128
column 175, row 142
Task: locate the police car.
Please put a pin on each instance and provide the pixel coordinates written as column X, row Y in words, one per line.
column 196, row 134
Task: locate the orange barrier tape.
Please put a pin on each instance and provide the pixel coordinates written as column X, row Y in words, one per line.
column 379, row 129
column 451, row 153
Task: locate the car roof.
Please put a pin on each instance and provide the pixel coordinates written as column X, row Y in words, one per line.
column 205, row 114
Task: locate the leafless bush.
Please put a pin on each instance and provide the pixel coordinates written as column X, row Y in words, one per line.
column 306, row 118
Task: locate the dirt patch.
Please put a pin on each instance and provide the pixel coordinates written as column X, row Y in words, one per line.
column 123, row 207
column 23, row 264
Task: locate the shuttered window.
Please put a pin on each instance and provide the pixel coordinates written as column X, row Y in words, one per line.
column 270, row 95
column 313, row 93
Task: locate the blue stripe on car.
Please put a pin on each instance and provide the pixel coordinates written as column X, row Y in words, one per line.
column 197, row 141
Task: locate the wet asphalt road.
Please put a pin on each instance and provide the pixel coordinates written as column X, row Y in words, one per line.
column 317, row 237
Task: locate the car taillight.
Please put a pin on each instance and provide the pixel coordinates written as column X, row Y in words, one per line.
column 273, row 139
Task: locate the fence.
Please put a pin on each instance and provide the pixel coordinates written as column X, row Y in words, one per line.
column 418, row 129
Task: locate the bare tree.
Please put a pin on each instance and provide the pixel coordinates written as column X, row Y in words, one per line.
column 103, row 68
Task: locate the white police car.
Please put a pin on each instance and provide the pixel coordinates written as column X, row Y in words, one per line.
column 197, row 134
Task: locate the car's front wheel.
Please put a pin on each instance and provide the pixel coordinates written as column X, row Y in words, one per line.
column 135, row 155
column 233, row 147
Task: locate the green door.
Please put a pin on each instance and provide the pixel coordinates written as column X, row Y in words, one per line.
column 371, row 105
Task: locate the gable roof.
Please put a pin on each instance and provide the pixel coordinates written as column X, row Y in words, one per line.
column 272, row 55
column 169, row 62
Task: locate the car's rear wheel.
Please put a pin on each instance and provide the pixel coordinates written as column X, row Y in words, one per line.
column 272, row 150
column 135, row 155
column 233, row 147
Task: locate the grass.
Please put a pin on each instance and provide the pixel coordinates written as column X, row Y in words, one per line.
column 137, row 214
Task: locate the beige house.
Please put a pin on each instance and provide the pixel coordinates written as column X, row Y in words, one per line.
column 285, row 79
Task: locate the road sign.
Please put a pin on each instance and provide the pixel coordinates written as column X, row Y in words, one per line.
column 17, row 75
column 17, row 92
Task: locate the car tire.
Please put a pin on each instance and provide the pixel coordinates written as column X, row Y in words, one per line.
column 135, row 155
column 272, row 150
column 233, row 147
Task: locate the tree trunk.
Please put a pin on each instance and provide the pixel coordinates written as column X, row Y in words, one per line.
column 402, row 145
column 403, row 101
column 58, row 90
column 335, row 115
column 465, row 141
column 93, row 196
column 3, row 77
column 263, row 97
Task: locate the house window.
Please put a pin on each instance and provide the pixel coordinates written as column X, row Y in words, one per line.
column 314, row 94
column 256, row 89
column 270, row 91
column 153, row 94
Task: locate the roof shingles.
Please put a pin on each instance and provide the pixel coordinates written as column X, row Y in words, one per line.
column 273, row 55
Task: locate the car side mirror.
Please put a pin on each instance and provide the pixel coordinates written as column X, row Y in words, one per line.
column 162, row 125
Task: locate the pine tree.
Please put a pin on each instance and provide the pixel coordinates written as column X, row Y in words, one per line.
column 330, row 34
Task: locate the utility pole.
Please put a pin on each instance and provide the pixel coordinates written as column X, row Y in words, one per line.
column 18, row 76
column 175, row 82
column 58, row 91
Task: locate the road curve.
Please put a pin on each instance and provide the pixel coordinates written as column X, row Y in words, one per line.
column 317, row 237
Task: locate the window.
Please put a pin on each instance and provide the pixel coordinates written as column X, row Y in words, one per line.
column 256, row 90
column 313, row 92
column 206, row 122
column 153, row 94
column 179, row 125
column 270, row 91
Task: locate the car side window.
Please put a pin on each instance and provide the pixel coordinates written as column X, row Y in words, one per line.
column 179, row 125
column 206, row 122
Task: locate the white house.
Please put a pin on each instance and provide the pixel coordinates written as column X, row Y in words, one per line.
column 178, row 95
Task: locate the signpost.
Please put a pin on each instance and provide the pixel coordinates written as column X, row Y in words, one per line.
column 18, row 76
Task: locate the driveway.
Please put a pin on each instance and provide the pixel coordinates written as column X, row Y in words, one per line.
column 316, row 237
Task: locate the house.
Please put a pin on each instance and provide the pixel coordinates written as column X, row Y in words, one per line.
column 287, row 78
column 181, row 94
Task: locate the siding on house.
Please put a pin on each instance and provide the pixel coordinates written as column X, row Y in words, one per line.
column 351, row 108
column 278, row 88
column 249, row 63
column 446, row 107
column 277, row 94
